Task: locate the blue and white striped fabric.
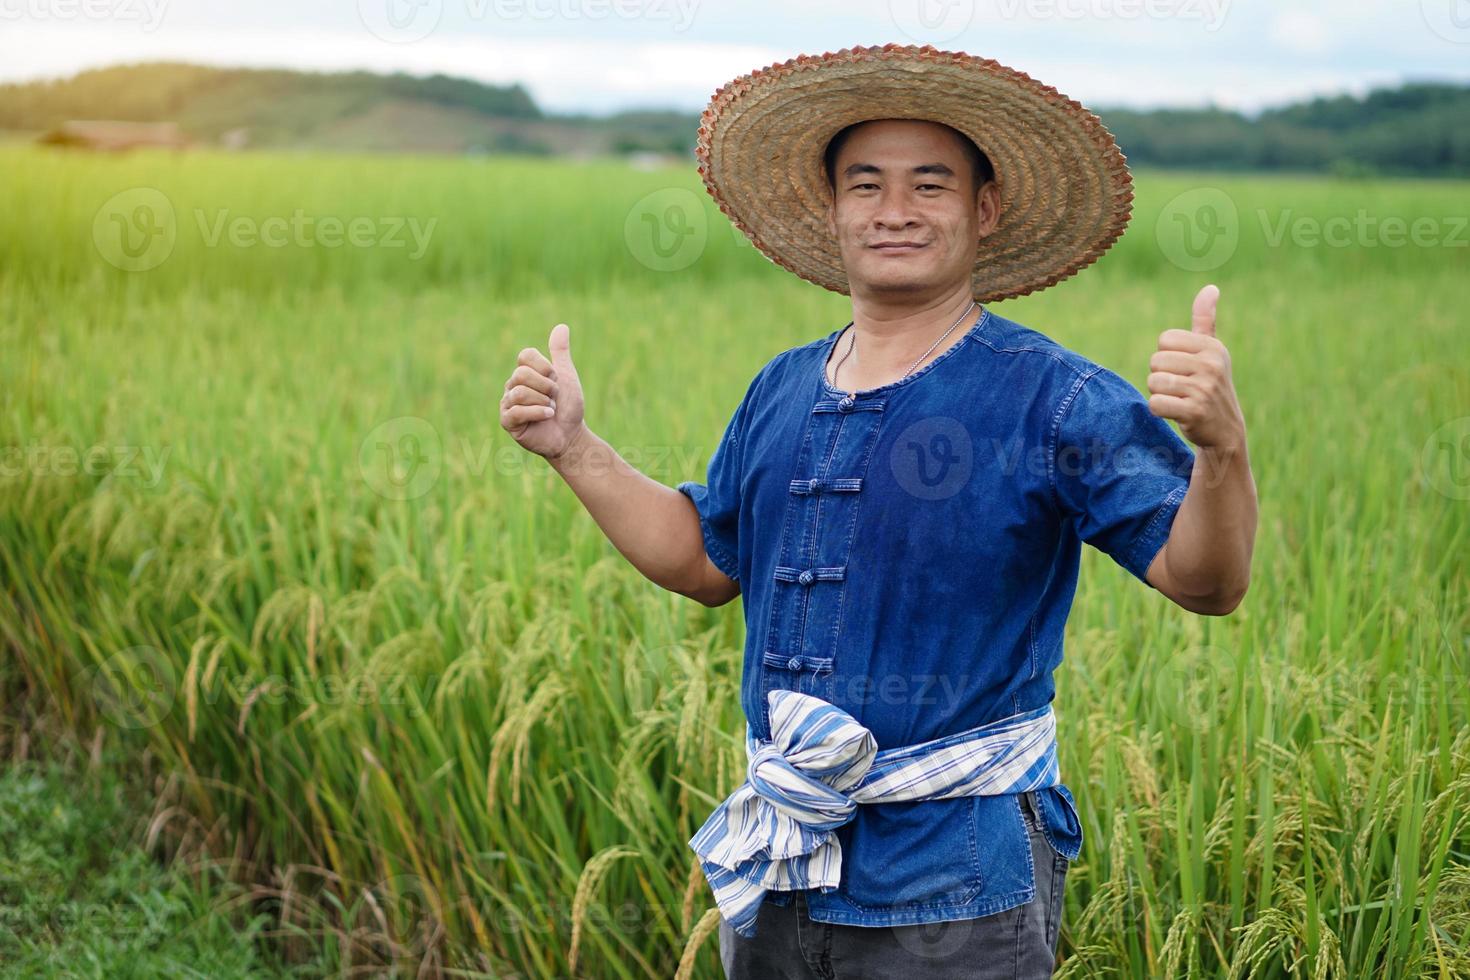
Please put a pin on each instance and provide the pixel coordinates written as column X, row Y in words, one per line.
column 776, row 830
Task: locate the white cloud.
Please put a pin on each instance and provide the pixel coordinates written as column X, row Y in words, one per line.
column 561, row 74
column 1300, row 32
column 1260, row 55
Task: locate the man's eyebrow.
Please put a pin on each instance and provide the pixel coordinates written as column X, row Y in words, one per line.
column 924, row 168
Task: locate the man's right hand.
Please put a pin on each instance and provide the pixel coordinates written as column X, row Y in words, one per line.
column 542, row 406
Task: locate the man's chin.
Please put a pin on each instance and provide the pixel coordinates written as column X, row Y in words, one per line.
column 896, row 280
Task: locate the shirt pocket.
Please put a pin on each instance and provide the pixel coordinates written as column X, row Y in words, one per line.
column 914, row 854
column 1060, row 824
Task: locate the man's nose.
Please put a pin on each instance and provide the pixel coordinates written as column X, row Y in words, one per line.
column 894, row 210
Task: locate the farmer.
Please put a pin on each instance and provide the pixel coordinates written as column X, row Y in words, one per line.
column 901, row 505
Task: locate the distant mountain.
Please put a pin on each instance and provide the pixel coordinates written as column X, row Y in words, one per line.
column 1415, row 129
column 343, row 110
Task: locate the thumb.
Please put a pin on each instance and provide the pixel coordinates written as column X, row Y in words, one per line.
column 560, row 346
column 1202, row 320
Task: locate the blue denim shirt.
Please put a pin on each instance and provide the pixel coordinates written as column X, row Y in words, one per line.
column 910, row 554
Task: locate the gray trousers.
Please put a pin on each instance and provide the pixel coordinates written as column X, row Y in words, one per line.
column 1018, row 943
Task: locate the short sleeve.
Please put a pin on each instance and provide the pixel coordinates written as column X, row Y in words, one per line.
column 718, row 498
column 1120, row 471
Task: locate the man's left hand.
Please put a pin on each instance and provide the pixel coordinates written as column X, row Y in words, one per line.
column 1189, row 380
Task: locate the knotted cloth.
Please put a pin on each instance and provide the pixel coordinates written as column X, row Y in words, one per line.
column 776, row 831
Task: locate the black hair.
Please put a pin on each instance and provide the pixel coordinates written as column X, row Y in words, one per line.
column 981, row 169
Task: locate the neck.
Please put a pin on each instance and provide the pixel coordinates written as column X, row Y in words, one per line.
column 891, row 333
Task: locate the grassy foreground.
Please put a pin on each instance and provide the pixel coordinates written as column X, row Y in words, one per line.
column 80, row 898
column 259, row 525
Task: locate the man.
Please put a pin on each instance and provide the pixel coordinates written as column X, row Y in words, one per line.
column 901, row 506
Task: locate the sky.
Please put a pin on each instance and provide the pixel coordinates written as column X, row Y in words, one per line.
column 601, row 56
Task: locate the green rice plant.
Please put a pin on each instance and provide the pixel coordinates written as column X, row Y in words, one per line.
column 452, row 729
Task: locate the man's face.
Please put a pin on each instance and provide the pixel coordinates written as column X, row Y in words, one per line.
column 907, row 180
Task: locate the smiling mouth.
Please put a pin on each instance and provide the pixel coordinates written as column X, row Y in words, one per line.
column 897, row 249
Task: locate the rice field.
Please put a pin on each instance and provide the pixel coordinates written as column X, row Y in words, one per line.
column 261, row 531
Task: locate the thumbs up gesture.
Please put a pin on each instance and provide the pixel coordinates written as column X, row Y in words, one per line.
column 542, row 405
column 1189, row 380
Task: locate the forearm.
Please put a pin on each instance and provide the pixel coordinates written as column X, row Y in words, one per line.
column 654, row 526
column 1208, row 554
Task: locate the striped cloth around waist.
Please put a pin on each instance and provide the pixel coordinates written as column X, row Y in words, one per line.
column 776, row 831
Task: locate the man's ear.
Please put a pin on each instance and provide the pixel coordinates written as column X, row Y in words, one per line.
column 987, row 207
column 831, row 216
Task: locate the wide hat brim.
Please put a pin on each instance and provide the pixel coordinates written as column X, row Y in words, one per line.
column 1065, row 190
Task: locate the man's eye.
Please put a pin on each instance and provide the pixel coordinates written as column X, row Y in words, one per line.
column 937, row 187
column 858, row 187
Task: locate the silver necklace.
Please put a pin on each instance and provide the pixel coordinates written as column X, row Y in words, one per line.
column 853, row 343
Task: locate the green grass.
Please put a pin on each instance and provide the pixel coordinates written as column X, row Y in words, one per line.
column 468, row 707
column 80, row 897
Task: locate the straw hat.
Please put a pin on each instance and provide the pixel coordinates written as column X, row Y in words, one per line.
column 1065, row 191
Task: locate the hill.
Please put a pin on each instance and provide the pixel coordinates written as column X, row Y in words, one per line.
column 342, row 110
column 1416, row 129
